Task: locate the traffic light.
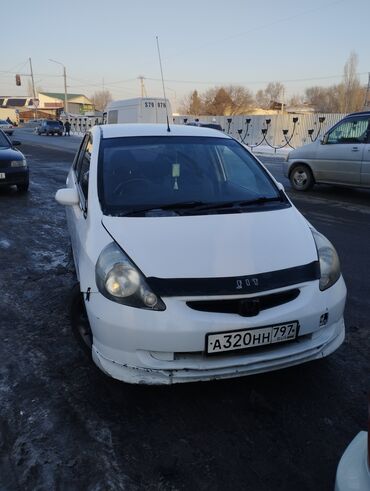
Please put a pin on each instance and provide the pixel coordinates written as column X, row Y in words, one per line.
column 18, row 80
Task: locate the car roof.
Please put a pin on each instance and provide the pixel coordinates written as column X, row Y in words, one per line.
column 360, row 113
column 122, row 130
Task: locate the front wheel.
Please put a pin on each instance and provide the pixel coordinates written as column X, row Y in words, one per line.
column 79, row 320
column 301, row 178
column 23, row 188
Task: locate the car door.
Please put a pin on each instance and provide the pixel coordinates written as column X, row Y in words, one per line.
column 365, row 168
column 76, row 215
column 339, row 158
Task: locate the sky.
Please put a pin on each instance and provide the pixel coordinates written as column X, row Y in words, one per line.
column 204, row 43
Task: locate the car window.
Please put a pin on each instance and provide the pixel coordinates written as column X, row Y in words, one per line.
column 84, row 168
column 4, row 142
column 236, row 169
column 350, row 131
column 156, row 171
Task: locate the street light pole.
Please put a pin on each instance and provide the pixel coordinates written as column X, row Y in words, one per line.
column 65, row 85
column 33, row 89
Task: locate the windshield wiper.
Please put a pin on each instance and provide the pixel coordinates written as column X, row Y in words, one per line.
column 169, row 206
column 196, row 206
column 238, row 204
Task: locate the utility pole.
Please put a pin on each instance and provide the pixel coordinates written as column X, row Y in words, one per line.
column 33, row 90
column 142, row 85
column 65, row 86
column 65, row 92
column 367, row 95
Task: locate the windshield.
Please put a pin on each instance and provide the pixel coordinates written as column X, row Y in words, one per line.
column 184, row 174
column 53, row 123
column 4, row 142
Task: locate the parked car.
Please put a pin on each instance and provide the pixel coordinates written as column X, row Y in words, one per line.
column 353, row 472
column 341, row 157
column 7, row 128
column 13, row 165
column 192, row 262
column 50, row 128
column 204, row 124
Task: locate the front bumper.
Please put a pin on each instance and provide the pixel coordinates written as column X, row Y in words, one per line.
column 142, row 346
column 14, row 175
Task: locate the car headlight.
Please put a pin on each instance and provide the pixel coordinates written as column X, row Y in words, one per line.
column 118, row 279
column 18, row 163
column 329, row 261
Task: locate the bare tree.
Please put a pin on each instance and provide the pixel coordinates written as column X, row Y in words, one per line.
column 274, row 92
column 296, row 100
column 351, row 93
column 226, row 101
column 195, row 104
column 262, row 99
column 101, row 99
column 242, row 99
column 216, row 101
column 324, row 99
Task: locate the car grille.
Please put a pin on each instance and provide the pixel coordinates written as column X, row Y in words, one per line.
column 246, row 307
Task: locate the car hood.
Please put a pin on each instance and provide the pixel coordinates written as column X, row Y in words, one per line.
column 10, row 154
column 210, row 246
column 308, row 151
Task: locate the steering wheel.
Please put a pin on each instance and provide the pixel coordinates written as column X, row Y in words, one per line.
column 138, row 181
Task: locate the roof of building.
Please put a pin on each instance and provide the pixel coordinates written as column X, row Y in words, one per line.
column 60, row 95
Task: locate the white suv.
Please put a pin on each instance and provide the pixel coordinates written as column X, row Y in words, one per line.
column 192, row 263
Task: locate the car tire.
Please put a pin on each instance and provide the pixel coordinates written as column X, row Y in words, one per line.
column 79, row 320
column 23, row 188
column 301, row 178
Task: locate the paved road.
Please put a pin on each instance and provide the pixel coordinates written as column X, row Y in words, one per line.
column 65, row 426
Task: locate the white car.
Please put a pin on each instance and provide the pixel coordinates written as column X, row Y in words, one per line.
column 7, row 128
column 192, row 262
column 353, row 473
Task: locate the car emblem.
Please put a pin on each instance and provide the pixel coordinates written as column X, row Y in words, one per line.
column 249, row 307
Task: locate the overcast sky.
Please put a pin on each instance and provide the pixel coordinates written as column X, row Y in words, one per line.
column 203, row 43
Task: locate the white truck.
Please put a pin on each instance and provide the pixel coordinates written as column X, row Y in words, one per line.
column 139, row 110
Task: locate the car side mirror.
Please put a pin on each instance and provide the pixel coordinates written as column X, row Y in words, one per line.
column 16, row 143
column 67, row 196
column 324, row 139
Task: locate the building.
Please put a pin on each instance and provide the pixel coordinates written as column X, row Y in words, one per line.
column 48, row 105
column 53, row 101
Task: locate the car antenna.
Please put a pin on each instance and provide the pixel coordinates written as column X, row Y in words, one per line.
column 164, row 92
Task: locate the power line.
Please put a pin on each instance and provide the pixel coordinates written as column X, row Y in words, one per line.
column 251, row 82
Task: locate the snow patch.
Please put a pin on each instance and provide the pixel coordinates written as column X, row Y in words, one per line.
column 4, row 244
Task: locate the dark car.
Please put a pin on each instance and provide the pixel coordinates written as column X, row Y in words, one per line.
column 204, row 124
column 13, row 165
column 50, row 128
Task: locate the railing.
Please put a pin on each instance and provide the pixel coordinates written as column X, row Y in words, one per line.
column 275, row 131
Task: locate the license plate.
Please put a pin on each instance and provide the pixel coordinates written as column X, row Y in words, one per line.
column 2, row 175
column 251, row 338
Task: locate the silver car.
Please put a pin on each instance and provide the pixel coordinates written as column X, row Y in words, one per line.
column 341, row 157
column 7, row 128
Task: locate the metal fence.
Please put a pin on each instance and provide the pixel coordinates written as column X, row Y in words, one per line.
column 276, row 131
